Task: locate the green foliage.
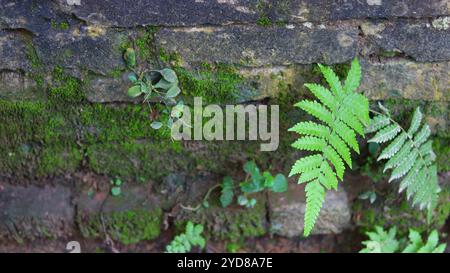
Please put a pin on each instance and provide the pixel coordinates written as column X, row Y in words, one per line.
column 65, row 88
column 157, row 86
column 116, row 190
column 214, row 83
column 410, row 155
column 190, row 238
column 343, row 114
column 381, row 241
column 255, row 182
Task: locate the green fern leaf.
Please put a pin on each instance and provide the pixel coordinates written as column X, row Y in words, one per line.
column 353, row 77
column 315, row 196
column 347, row 135
column 334, row 158
column 377, row 123
column 352, row 121
column 415, row 122
column 410, row 157
column 398, row 157
column 422, row 135
column 386, row 134
column 323, row 95
column 341, row 116
column 341, row 148
column 330, row 180
column 405, row 166
column 308, row 176
column 317, row 110
column 309, row 143
column 359, row 104
column 394, row 147
column 310, row 128
column 332, row 80
column 306, row 164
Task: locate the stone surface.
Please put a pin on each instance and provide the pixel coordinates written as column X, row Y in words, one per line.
column 13, row 52
column 81, row 49
column 16, row 86
column 32, row 15
column 287, row 212
column 418, row 40
column 406, row 79
column 33, row 212
column 258, row 46
column 104, row 89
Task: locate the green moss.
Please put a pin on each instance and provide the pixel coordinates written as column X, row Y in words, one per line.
column 441, row 147
column 116, row 72
column 219, row 84
column 119, row 123
column 145, row 43
column 264, row 21
column 227, row 224
column 127, row 227
column 36, row 73
column 64, row 25
column 58, row 160
column 262, row 6
column 136, row 160
column 65, row 88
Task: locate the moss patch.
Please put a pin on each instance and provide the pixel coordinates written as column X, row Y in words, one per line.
column 127, row 227
column 227, row 224
column 218, row 84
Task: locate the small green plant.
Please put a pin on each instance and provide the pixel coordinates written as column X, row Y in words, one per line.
column 409, row 155
column 159, row 86
column 116, row 184
column 254, row 182
column 381, row 241
column 343, row 114
column 184, row 242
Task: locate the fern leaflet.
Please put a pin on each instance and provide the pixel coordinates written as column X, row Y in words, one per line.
column 410, row 156
column 342, row 114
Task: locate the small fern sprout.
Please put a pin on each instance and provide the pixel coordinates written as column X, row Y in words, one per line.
column 409, row 154
column 341, row 115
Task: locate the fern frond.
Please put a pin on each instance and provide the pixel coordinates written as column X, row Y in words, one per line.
column 351, row 120
column 308, row 176
column 353, row 77
column 342, row 114
column 410, row 156
column 342, row 149
column 393, row 148
column 315, row 195
column 323, row 94
column 358, row 103
column 334, row 158
column 317, row 110
column 377, row 123
column 310, row 128
column 306, row 164
column 415, row 122
column 309, row 143
column 386, row 134
column 347, row 134
column 332, row 80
